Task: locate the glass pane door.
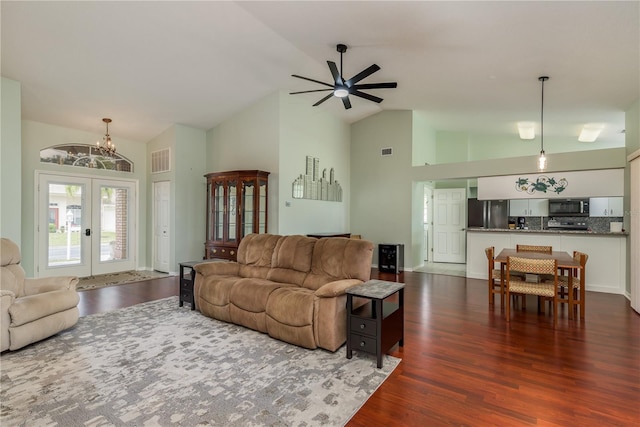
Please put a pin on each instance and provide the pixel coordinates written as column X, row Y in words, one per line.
column 64, row 215
column 218, row 211
column 232, row 194
column 86, row 226
column 262, row 207
column 248, row 189
column 112, row 226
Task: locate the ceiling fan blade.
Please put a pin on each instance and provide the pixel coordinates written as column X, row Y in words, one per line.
column 361, row 75
column 308, row 91
column 323, row 99
column 366, row 96
column 390, row 85
column 334, row 72
column 346, row 102
column 311, row 80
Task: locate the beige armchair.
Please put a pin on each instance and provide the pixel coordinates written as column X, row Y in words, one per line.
column 32, row 309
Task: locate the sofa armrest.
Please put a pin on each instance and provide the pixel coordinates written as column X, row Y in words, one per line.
column 223, row 268
column 337, row 288
column 48, row 284
column 34, row 307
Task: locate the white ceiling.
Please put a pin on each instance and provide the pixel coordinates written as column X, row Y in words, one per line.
column 469, row 66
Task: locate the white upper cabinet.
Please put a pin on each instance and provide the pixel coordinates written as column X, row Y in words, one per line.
column 606, row 206
column 530, row 207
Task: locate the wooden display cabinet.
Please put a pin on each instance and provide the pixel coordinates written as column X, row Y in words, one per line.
column 236, row 207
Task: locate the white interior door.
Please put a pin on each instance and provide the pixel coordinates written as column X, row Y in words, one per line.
column 161, row 230
column 449, row 225
column 86, row 226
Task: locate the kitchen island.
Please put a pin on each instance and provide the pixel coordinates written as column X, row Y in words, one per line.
column 606, row 267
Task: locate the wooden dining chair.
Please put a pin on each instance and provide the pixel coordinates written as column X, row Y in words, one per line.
column 546, row 289
column 534, row 248
column 493, row 277
column 578, row 283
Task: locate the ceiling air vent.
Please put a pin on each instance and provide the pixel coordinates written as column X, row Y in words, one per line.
column 386, row 152
column 161, row 161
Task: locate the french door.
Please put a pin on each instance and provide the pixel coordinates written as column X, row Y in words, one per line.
column 86, row 226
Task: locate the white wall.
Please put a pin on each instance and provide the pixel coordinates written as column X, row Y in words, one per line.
column 10, row 161
column 381, row 187
column 310, row 131
column 250, row 141
column 188, row 192
column 36, row 136
column 276, row 134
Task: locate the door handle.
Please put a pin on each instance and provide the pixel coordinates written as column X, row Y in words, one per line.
column 87, row 232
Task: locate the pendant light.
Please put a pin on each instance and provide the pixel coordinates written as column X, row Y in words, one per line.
column 107, row 148
column 542, row 160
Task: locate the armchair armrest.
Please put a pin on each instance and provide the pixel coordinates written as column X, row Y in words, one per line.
column 336, row 288
column 48, row 284
column 223, row 268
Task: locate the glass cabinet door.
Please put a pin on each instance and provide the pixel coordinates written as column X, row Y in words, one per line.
column 232, row 194
column 248, row 194
column 262, row 207
column 218, row 211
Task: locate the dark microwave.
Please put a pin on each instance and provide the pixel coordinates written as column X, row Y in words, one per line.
column 568, row 207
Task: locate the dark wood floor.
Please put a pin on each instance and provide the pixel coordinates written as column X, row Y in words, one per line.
column 463, row 365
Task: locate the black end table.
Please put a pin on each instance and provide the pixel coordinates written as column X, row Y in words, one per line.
column 187, row 279
column 378, row 325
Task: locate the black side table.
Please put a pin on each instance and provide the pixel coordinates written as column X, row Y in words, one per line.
column 187, row 279
column 378, row 325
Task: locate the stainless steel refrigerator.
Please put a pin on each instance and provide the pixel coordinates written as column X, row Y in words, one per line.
column 488, row 213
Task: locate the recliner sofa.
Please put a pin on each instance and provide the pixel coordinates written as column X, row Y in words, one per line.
column 32, row 309
column 290, row 287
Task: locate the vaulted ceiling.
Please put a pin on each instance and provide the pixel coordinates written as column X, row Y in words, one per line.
column 467, row 66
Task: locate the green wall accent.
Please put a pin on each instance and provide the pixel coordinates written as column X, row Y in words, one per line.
column 10, row 161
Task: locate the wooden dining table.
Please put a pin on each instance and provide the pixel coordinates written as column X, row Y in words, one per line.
column 565, row 261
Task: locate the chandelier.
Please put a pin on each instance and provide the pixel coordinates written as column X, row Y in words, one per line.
column 107, row 148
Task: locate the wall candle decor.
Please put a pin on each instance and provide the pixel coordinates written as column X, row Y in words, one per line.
column 315, row 187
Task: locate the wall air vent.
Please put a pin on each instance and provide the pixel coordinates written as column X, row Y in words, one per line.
column 161, row 161
column 386, row 152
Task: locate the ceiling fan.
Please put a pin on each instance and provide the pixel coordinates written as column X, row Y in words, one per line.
column 342, row 88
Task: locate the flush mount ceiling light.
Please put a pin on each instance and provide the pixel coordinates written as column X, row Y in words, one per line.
column 542, row 160
column 107, row 148
column 526, row 130
column 590, row 132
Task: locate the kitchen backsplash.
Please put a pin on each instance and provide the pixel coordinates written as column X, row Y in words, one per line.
column 596, row 224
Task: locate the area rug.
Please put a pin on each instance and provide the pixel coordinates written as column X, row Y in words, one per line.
column 155, row 364
column 120, row 278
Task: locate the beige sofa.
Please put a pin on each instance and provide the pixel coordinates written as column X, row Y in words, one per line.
column 32, row 309
column 290, row 287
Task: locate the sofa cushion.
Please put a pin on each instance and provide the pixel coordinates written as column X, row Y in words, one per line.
column 255, row 253
column 290, row 316
column 252, row 294
column 213, row 296
column 339, row 258
column 292, row 259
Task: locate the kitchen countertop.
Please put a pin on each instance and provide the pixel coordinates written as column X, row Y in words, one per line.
column 507, row 230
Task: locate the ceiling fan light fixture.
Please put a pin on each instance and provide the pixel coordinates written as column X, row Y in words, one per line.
column 341, row 92
column 590, row 132
column 526, row 130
